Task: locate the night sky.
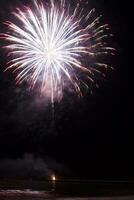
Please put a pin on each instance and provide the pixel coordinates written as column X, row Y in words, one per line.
column 88, row 137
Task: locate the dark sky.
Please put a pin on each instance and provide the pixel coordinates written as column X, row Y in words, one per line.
column 89, row 137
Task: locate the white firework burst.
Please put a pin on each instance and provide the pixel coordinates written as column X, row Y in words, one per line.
column 54, row 47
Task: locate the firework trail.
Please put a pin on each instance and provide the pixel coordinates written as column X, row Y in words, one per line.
column 55, row 47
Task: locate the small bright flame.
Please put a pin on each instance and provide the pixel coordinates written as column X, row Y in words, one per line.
column 53, row 178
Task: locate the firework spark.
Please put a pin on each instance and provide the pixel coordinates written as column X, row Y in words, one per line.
column 54, row 47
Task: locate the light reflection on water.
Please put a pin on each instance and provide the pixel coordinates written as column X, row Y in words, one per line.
column 44, row 191
column 42, row 195
column 33, row 198
column 21, row 198
column 25, row 194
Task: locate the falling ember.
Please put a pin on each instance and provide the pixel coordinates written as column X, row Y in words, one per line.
column 55, row 47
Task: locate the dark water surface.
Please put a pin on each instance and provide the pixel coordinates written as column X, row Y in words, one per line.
column 69, row 190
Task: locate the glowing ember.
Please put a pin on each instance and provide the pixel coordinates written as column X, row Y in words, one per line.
column 53, row 178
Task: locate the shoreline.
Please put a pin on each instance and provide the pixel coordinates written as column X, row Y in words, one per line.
column 51, row 195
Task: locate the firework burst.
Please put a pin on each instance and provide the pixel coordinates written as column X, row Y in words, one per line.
column 53, row 46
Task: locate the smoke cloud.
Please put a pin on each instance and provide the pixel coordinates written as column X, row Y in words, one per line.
column 29, row 167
